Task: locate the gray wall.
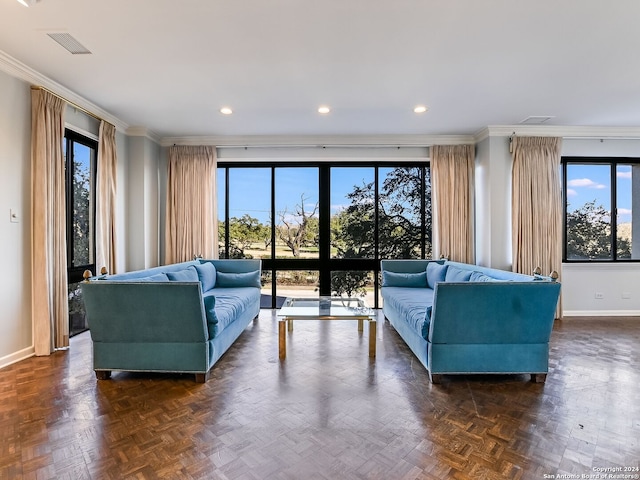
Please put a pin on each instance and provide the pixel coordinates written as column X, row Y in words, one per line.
column 15, row 194
column 580, row 282
column 143, row 248
column 493, row 203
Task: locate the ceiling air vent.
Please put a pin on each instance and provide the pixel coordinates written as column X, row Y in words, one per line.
column 70, row 43
column 536, row 120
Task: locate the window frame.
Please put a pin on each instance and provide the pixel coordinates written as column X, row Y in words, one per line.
column 75, row 273
column 324, row 264
column 612, row 163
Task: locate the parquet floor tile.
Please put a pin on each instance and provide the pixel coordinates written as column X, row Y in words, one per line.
column 328, row 412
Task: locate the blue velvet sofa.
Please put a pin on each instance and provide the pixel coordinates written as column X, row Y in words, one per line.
column 466, row 319
column 175, row 318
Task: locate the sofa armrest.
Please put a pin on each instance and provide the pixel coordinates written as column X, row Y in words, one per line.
column 493, row 312
column 145, row 312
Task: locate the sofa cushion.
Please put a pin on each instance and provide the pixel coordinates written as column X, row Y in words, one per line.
column 189, row 274
column 436, row 272
column 230, row 304
column 234, row 280
column 412, row 280
column 413, row 306
column 456, row 274
column 206, row 275
column 480, row 277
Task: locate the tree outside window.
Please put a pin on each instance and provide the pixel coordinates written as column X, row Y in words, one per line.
column 599, row 209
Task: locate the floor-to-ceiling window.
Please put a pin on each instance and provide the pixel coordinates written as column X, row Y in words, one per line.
column 321, row 229
column 80, row 155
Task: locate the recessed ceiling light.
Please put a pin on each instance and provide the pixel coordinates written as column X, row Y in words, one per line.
column 226, row 111
column 323, row 109
column 420, row 109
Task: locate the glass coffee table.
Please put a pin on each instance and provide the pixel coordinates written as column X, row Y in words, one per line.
column 323, row 309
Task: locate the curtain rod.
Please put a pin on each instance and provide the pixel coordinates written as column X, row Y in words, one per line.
column 68, row 102
column 320, row 146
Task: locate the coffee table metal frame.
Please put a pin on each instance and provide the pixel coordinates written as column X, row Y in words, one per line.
column 324, row 308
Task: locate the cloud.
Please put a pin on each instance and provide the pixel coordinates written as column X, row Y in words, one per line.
column 624, row 211
column 339, row 208
column 585, row 182
column 571, row 192
column 624, row 174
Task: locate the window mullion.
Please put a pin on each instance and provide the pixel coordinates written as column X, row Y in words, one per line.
column 614, row 210
column 324, row 228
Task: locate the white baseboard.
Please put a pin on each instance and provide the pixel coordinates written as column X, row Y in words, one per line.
column 601, row 313
column 17, row 356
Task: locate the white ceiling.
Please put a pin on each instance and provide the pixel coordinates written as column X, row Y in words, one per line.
column 170, row 65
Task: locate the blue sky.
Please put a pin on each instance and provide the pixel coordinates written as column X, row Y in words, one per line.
column 81, row 160
column 586, row 183
column 250, row 189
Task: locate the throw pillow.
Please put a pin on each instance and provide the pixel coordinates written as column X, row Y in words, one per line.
column 455, row 274
column 427, row 322
column 480, row 277
column 212, row 319
column 436, row 272
column 158, row 277
column 209, row 308
column 231, row 280
column 207, row 275
column 412, row 280
column 189, row 274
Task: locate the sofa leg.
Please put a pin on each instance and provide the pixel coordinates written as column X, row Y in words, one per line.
column 103, row 374
column 538, row 377
column 435, row 378
column 202, row 377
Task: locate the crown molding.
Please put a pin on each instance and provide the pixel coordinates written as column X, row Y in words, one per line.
column 17, row 69
column 564, row 131
column 321, row 140
column 142, row 132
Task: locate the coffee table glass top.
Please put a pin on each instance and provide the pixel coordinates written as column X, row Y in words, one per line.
column 325, row 308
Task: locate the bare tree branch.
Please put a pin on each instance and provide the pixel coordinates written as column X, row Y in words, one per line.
column 294, row 235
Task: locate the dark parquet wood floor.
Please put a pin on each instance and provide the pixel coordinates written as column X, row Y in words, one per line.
column 328, row 412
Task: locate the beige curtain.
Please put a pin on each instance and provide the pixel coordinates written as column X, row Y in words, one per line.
column 106, row 199
column 537, row 205
column 452, row 185
column 191, row 221
column 49, row 296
